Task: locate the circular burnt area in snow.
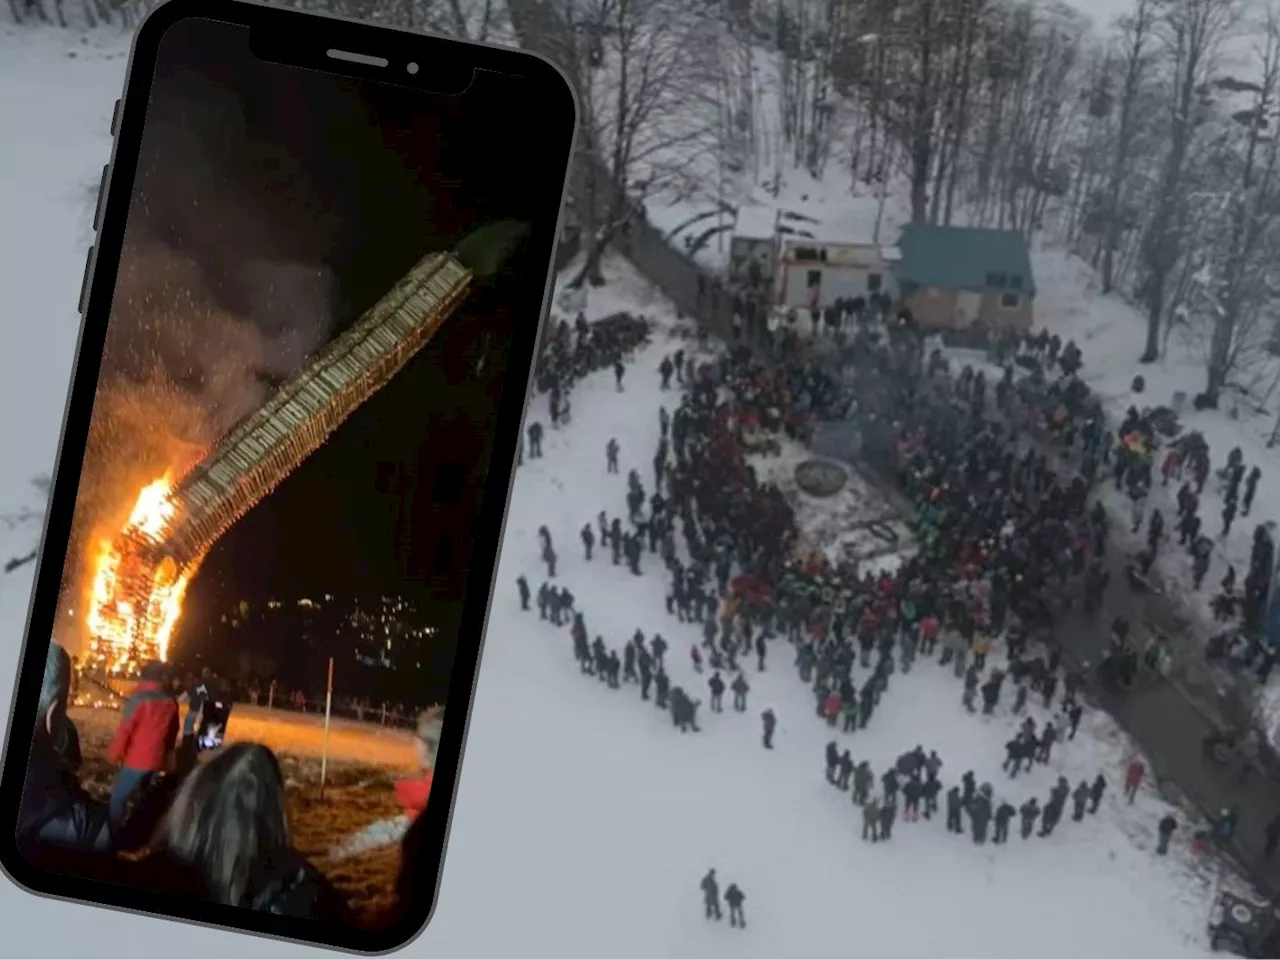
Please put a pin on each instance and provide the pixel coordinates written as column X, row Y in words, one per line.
column 821, row 478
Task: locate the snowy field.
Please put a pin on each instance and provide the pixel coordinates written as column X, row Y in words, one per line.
column 584, row 821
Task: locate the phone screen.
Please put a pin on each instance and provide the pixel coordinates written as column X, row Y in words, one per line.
column 322, row 325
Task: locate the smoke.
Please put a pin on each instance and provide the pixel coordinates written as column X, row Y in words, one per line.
column 220, row 297
column 180, row 369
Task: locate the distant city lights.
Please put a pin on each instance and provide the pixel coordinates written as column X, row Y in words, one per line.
column 387, row 632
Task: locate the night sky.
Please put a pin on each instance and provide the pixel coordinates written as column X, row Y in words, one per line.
column 246, row 160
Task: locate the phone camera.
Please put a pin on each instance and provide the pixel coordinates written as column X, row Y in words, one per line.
column 412, row 67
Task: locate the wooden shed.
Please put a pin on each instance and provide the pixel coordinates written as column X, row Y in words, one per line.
column 966, row 278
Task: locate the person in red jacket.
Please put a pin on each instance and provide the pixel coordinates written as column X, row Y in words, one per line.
column 1133, row 775
column 929, row 628
column 413, row 793
column 144, row 741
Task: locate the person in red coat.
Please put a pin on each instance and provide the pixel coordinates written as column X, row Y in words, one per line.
column 144, row 741
column 929, row 628
column 412, row 793
column 1133, row 775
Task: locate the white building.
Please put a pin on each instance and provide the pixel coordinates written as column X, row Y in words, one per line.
column 753, row 240
column 817, row 273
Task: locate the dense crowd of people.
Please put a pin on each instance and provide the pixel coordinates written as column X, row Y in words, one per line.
column 1001, row 477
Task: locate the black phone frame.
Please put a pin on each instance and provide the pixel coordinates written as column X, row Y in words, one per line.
column 299, row 39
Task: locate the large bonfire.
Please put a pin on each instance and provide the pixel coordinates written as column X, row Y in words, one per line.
column 135, row 602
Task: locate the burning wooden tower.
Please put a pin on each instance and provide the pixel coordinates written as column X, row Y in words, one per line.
column 142, row 575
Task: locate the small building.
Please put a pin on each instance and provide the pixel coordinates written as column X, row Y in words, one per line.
column 965, row 278
column 753, row 241
column 817, row 273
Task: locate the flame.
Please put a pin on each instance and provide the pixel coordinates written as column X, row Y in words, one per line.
column 136, row 593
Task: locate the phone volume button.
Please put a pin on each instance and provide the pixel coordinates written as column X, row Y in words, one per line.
column 115, row 119
column 102, row 197
column 84, row 281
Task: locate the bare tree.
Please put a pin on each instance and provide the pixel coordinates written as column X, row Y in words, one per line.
column 1192, row 31
column 647, row 107
column 1136, row 42
column 1244, row 272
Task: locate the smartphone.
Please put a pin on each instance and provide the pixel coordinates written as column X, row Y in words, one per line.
column 323, row 252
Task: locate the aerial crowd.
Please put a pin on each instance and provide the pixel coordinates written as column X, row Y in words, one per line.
column 1000, row 477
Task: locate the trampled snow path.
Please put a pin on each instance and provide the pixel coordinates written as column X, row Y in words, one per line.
column 587, row 821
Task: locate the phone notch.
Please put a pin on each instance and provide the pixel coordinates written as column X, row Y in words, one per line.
column 433, row 65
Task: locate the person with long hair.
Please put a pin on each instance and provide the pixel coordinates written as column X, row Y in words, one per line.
column 229, row 822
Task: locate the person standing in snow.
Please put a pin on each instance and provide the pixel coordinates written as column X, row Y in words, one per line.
column 888, row 812
column 522, row 585
column 1029, row 812
column 1164, row 833
column 1004, row 813
column 770, row 722
column 1133, row 774
column 979, row 816
column 954, row 804
column 734, row 897
column 871, row 820
column 711, row 895
column 833, row 761
column 1096, row 790
column 715, row 687
column 863, row 781
column 1079, row 800
column 740, row 689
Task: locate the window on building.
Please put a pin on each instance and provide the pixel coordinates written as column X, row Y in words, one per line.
column 813, row 278
column 444, row 555
column 874, row 282
column 1009, row 300
column 448, row 483
column 1015, row 283
column 997, row 280
column 802, row 254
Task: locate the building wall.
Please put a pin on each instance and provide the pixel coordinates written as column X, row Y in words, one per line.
column 933, row 307
column 838, row 282
column 937, row 307
column 997, row 317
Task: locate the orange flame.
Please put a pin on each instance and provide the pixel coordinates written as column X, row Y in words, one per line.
column 135, row 598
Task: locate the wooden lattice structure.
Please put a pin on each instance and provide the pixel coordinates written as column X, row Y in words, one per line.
column 255, row 456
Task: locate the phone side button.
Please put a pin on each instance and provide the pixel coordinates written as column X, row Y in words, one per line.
column 115, row 119
column 102, row 197
column 84, row 281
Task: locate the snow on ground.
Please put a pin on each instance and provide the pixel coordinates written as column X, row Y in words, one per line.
column 604, row 817
column 835, row 524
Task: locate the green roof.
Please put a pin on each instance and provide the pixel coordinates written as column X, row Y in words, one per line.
column 967, row 258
